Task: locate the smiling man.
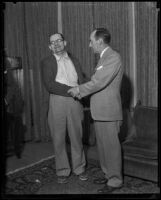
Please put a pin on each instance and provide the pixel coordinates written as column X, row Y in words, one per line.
column 106, row 108
column 61, row 71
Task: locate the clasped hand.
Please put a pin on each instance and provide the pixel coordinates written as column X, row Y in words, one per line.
column 74, row 92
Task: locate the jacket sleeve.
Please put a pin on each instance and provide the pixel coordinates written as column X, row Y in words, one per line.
column 81, row 75
column 102, row 77
column 48, row 78
column 81, row 78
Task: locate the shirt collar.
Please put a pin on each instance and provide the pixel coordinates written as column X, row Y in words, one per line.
column 58, row 58
column 103, row 52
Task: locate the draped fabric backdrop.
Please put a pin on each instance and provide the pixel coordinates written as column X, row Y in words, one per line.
column 40, row 21
column 15, row 45
column 114, row 16
column 27, row 28
column 80, row 18
column 77, row 23
column 28, row 25
column 147, row 55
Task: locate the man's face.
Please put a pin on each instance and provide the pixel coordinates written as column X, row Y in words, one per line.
column 57, row 44
column 94, row 44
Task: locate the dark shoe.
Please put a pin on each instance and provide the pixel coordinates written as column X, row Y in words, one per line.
column 107, row 189
column 83, row 176
column 100, row 181
column 62, row 179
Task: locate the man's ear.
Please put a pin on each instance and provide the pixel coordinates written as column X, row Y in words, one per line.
column 65, row 43
column 100, row 41
column 49, row 47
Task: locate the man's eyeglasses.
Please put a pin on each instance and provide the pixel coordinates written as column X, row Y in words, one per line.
column 56, row 41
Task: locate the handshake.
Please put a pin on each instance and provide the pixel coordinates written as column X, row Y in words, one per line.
column 74, row 92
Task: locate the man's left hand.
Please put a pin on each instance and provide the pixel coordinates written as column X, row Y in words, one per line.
column 74, row 92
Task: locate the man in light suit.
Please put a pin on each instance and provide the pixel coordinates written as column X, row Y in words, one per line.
column 106, row 108
column 60, row 71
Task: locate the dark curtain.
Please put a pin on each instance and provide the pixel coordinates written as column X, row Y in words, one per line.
column 80, row 18
column 14, row 45
column 77, row 22
column 27, row 27
column 40, row 21
column 114, row 16
column 147, row 52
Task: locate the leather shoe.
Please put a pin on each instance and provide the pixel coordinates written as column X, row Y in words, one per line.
column 100, row 181
column 83, row 176
column 62, row 179
column 107, row 189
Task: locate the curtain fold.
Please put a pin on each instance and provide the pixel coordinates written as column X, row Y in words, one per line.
column 77, row 22
column 40, row 21
column 114, row 17
column 80, row 18
column 14, row 45
column 28, row 26
column 147, row 52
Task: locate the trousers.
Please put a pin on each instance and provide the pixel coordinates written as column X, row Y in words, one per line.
column 65, row 116
column 109, row 150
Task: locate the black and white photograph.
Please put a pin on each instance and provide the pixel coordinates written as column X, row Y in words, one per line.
column 80, row 100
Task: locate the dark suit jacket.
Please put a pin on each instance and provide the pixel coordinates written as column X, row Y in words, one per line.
column 49, row 72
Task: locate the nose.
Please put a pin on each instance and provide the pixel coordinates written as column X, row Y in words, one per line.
column 56, row 45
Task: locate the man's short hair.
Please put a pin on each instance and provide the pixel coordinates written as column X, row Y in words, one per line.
column 104, row 34
column 62, row 36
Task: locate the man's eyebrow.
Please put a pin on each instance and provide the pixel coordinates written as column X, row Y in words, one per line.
column 56, row 40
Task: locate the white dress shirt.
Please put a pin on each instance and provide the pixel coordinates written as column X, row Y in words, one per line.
column 66, row 73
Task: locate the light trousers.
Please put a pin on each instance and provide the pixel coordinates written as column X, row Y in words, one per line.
column 66, row 115
column 109, row 150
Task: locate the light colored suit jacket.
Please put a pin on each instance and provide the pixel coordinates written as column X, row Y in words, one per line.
column 105, row 102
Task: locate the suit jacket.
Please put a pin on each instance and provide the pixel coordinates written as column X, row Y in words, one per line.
column 105, row 102
column 49, row 72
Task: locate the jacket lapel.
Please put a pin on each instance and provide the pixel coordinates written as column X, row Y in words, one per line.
column 105, row 55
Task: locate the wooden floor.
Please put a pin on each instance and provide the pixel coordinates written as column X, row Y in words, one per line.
column 37, row 151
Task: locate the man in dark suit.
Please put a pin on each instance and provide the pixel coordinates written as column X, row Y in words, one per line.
column 106, row 109
column 61, row 71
